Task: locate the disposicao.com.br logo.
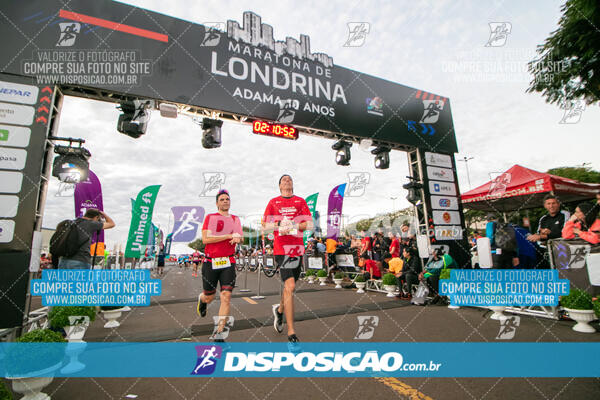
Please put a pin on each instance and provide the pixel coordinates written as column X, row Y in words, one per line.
column 324, row 362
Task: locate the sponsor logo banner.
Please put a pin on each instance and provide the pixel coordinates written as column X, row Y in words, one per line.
column 436, row 187
column 7, row 231
column 334, row 211
column 14, row 136
column 12, row 158
column 8, row 206
column 16, row 114
column 140, row 221
column 444, row 203
column 437, row 159
column 352, row 359
column 446, row 217
column 450, row 232
column 440, row 174
column 10, row 182
column 18, row 93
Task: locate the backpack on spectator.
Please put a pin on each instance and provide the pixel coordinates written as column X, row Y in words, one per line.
column 64, row 241
column 505, row 237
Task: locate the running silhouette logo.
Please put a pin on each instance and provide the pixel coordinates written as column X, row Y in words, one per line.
column 65, row 190
column 375, row 106
column 508, row 328
column 68, row 33
column 187, row 223
column 207, row 359
column 573, row 112
column 499, row 32
column 357, row 183
column 213, row 182
column 287, row 111
column 431, row 114
column 499, row 185
column 222, row 327
column 366, row 327
column 357, row 33
column 212, row 34
column 569, row 256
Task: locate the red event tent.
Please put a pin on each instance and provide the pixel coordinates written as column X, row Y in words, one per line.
column 520, row 188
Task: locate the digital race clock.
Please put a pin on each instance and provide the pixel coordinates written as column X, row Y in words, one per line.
column 275, row 129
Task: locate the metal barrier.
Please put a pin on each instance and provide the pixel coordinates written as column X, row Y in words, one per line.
column 268, row 266
column 242, row 261
column 255, row 260
column 568, row 257
column 315, row 262
column 253, row 263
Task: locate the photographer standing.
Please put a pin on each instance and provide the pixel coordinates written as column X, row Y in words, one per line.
column 93, row 221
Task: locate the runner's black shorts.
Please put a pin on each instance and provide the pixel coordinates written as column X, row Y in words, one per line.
column 210, row 278
column 289, row 267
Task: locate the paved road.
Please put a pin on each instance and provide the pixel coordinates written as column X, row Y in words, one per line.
column 325, row 314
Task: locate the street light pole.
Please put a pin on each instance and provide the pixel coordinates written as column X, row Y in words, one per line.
column 466, row 161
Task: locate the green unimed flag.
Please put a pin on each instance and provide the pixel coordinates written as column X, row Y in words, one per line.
column 311, row 202
column 141, row 220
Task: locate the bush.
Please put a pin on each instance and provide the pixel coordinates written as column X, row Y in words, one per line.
column 321, row 273
column 310, row 272
column 445, row 273
column 59, row 316
column 339, row 275
column 41, row 335
column 359, row 278
column 5, row 394
column 577, row 299
column 389, row 279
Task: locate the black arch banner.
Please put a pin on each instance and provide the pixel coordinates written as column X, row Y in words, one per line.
column 222, row 66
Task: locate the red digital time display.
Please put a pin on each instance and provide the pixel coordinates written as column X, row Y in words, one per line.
column 275, row 129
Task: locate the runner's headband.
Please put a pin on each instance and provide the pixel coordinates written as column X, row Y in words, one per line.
column 222, row 191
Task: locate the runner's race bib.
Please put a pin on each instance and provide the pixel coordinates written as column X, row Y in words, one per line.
column 220, row 263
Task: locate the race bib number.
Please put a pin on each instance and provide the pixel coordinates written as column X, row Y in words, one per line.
column 220, row 263
column 269, row 262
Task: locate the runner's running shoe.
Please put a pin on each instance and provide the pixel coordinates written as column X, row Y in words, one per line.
column 201, row 307
column 293, row 338
column 294, row 344
column 277, row 319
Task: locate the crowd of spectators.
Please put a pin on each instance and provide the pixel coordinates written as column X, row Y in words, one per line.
column 514, row 246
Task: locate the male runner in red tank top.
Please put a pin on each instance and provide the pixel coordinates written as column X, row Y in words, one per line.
column 221, row 231
column 287, row 216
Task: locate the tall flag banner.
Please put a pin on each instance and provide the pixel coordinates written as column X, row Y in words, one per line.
column 188, row 221
column 88, row 194
column 161, row 241
column 334, row 211
column 141, row 221
column 168, row 241
column 151, row 240
column 311, row 201
column 317, row 221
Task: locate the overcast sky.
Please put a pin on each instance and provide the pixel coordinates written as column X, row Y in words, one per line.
column 436, row 46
